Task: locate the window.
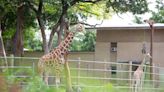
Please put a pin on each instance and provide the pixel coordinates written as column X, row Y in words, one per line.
column 113, row 46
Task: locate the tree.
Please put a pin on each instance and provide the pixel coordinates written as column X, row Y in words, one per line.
column 70, row 10
column 2, row 49
column 88, row 38
column 158, row 16
column 89, row 41
column 137, row 20
column 16, row 13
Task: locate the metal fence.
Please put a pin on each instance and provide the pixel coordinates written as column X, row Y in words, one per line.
column 92, row 74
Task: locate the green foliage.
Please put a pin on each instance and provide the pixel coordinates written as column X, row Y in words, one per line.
column 85, row 10
column 109, row 87
column 35, row 84
column 134, row 6
column 52, row 11
column 137, row 20
column 84, row 42
column 31, row 41
column 159, row 15
column 89, row 41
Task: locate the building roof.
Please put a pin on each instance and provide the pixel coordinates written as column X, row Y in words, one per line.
column 129, row 27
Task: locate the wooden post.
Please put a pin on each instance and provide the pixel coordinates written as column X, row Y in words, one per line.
column 151, row 22
column 66, row 65
column 151, row 50
column 67, row 75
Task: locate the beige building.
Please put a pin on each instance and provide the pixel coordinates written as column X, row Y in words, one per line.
column 125, row 43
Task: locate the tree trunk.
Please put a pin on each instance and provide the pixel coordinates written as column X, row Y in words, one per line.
column 42, row 28
column 54, row 30
column 62, row 25
column 2, row 49
column 18, row 36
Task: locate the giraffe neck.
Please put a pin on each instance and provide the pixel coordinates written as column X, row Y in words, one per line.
column 140, row 67
column 66, row 43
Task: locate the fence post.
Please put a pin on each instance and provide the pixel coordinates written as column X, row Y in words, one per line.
column 105, row 70
column 12, row 63
column 105, row 74
column 33, row 68
column 155, row 74
column 130, row 76
column 88, row 70
column 78, row 75
column 12, row 60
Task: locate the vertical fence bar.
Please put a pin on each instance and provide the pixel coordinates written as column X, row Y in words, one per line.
column 155, row 75
column 78, row 74
column 33, row 68
column 12, row 60
column 88, row 70
column 12, row 63
column 130, row 76
column 105, row 74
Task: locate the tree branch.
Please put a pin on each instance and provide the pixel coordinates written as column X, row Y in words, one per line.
column 54, row 30
column 74, row 2
column 40, row 6
column 93, row 26
column 32, row 6
column 90, row 1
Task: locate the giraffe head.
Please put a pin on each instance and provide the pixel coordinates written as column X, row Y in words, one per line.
column 147, row 58
column 77, row 28
column 148, row 55
column 150, row 22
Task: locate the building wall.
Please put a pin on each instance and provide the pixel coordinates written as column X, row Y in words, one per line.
column 128, row 35
column 129, row 51
column 102, row 51
column 129, row 45
column 158, row 54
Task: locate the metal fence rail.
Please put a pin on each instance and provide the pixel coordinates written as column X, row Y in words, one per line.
column 92, row 74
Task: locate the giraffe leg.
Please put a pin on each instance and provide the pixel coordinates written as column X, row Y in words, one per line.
column 57, row 78
column 57, row 81
column 41, row 69
column 133, row 84
column 137, row 85
column 46, row 78
column 140, row 85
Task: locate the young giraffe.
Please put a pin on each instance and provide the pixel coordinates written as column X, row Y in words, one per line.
column 138, row 75
column 53, row 61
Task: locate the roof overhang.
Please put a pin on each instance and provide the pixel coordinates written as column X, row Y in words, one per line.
column 130, row 27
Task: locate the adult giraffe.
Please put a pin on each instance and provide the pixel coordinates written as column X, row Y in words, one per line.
column 54, row 61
